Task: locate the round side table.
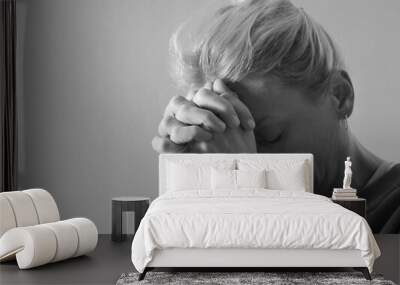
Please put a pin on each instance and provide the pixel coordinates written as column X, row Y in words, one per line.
column 139, row 205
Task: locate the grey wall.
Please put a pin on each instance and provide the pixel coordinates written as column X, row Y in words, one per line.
column 93, row 82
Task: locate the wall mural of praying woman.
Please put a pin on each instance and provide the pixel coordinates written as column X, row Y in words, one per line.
column 264, row 76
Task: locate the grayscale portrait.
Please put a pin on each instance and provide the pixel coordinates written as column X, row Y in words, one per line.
column 265, row 76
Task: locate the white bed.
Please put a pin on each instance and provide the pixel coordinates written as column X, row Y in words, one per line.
column 249, row 227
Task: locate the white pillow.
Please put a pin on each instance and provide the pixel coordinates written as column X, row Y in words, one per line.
column 281, row 174
column 237, row 179
column 251, row 178
column 223, row 179
column 187, row 174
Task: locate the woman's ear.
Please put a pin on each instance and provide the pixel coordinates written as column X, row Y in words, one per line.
column 343, row 94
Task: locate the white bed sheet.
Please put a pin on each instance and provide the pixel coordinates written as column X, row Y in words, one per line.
column 250, row 218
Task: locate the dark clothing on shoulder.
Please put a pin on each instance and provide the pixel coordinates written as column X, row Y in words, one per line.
column 383, row 202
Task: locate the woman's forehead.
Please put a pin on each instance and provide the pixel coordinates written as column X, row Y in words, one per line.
column 269, row 96
column 257, row 85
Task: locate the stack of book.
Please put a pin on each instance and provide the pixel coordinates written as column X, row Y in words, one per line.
column 344, row 194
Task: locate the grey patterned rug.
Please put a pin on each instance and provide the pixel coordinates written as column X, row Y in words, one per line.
column 231, row 278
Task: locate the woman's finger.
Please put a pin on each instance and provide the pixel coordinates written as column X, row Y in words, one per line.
column 189, row 113
column 164, row 145
column 220, row 87
column 207, row 99
column 245, row 117
column 189, row 96
column 180, row 133
column 186, row 134
column 193, row 115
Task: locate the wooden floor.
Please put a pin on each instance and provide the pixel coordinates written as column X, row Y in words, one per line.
column 110, row 260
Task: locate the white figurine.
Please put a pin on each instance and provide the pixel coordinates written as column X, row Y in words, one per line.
column 347, row 174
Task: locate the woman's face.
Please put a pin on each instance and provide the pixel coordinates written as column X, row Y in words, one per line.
column 290, row 121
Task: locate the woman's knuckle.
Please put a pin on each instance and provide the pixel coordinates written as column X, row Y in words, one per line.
column 200, row 96
column 185, row 109
column 163, row 144
column 177, row 100
column 230, row 96
column 161, row 128
column 225, row 108
column 202, row 92
column 165, row 122
column 208, row 116
column 174, row 134
column 193, row 130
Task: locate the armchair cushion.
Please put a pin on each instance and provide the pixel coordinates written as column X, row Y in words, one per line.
column 26, row 208
column 40, row 244
column 31, row 230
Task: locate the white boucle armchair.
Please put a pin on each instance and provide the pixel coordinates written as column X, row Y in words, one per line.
column 31, row 231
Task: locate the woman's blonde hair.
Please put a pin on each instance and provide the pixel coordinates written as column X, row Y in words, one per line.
column 256, row 37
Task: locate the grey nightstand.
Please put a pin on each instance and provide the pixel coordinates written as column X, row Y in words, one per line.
column 139, row 205
column 357, row 205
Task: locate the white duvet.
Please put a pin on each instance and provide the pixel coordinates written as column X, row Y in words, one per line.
column 250, row 218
